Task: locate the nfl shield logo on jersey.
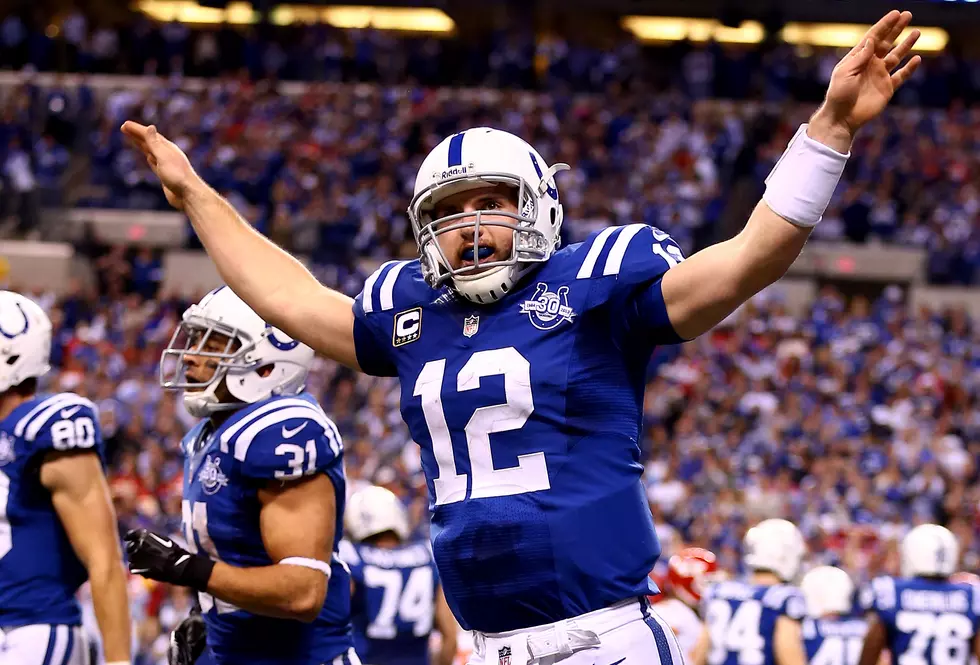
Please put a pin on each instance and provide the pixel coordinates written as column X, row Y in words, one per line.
column 471, row 324
column 211, row 476
column 503, row 656
column 547, row 310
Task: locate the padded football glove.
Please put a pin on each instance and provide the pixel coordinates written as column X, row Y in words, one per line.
column 187, row 640
column 161, row 559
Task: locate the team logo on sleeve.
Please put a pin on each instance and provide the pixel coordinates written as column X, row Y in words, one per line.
column 547, row 309
column 503, row 656
column 6, row 449
column 407, row 327
column 211, row 476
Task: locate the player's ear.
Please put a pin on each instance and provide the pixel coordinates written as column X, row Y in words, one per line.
column 265, row 370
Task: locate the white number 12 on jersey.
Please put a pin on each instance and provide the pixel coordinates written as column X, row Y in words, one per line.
column 531, row 472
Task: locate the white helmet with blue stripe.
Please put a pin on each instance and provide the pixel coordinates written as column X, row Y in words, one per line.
column 929, row 550
column 473, row 159
column 257, row 361
column 25, row 340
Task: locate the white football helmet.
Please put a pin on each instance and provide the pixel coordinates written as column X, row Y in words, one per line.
column 374, row 510
column 25, row 340
column 929, row 550
column 776, row 546
column 828, row 590
column 252, row 345
column 469, row 160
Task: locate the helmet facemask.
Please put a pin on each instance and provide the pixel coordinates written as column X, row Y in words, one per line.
column 530, row 245
column 190, row 339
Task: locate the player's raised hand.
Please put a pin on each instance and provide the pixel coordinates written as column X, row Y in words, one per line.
column 168, row 162
column 865, row 80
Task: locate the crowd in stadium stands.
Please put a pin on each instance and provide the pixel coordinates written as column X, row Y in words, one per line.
column 329, row 172
column 855, row 420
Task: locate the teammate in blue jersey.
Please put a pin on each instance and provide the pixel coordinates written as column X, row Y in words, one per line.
column 396, row 596
column 523, row 365
column 757, row 622
column 57, row 524
column 923, row 618
column 263, row 498
column 832, row 634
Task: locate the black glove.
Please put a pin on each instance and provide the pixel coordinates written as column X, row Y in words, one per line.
column 159, row 558
column 187, row 640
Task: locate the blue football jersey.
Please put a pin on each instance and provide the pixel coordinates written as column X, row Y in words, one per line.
column 741, row 620
column 281, row 438
column 834, row 641
column 39, row 572
column 528, row 414
column 927, row 622
column 393, row 606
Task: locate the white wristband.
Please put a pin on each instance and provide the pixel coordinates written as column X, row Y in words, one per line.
column 802, row 182
column 315, row 564
column 119, row 662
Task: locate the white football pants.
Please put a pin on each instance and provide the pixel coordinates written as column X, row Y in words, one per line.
column 43, row 645
column 628, row 633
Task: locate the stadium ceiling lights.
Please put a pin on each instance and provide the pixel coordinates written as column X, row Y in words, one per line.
column 846, row 35
column 407, row 19
column 674, row 29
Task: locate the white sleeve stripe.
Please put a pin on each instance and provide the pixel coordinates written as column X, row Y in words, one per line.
column 47, row 414
column 614, row 261
column 22, row 423
column 388, row 286
column 333, row 437
column 245, row 439
column 590, row 259
column 253, row 415
column 368, row 300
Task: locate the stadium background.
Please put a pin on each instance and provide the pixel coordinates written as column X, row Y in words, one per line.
column 844, row 398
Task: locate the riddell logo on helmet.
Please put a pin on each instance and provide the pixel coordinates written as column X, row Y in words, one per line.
column 452, row 172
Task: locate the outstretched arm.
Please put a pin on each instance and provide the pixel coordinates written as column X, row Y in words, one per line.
column 707, row 287
column 273, row 283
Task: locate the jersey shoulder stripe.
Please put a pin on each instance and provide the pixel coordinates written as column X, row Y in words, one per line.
column 280, row 416
column 614, row 262
column 384, row 299
column 253, row 415
column 30, row 425
column 609, row 253
column 592, row 256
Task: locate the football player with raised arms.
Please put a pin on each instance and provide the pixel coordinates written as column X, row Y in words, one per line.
column 832, row 634
column 263, row 498
column 757, row 620
column 923, row 617
column 57, row 523
column 396, row 598
column 522, row 365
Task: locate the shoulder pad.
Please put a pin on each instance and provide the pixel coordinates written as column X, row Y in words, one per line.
column 634, row 253
column 794, row 605
column 882, row 594
column 284, row 438
column 61, row 422
column 347, row 552
column 379, row 294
